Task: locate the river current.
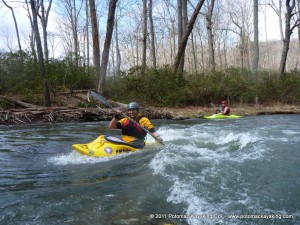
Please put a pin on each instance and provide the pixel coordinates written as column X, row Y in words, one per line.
column 234, row 171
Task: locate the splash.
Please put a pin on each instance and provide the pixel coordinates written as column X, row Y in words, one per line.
column 77, row 158
column 199, row 162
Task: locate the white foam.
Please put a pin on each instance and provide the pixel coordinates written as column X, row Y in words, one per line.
column 197, row 206
column 210, row 148
column 76, row 158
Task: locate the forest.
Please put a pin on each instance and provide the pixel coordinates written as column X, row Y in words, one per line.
column 156, row 52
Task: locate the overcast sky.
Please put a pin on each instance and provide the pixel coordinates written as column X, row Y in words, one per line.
column 7, row 29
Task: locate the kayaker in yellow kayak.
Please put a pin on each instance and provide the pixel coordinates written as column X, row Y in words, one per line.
column 131, row 132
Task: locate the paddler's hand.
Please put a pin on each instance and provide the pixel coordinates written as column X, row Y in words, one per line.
column 159, row 139
column 118, row 114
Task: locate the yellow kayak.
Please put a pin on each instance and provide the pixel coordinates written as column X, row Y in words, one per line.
column 104, row 146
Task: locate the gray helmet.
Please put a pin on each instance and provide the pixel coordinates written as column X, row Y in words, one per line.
column 133, row 105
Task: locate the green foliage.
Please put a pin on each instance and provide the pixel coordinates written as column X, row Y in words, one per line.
column 17, row 71
column 163, row 87
column 290, row 87
column 160, row 87
column 66, row 74
column 19, row 74
column 157, row 87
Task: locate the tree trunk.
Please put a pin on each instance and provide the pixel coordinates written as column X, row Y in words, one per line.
column 256, row 41
column 185, row 22
column 75, row 33
column 194, row 54
column 16, row 24
column 173, row 40
column 152, row 35
column 44, row 21
column 210, row 36
column 180, row 32
column 95, row 37
column 32, row 36
column 43, row 74
column 298, row 61
column 144, row 53
column 87, row 58
column 186, row 35
column 288, row 32
column 105, row 55
column 118, row 53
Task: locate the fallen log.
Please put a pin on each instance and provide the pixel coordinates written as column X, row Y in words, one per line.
column 67, row 114
column 17, row 102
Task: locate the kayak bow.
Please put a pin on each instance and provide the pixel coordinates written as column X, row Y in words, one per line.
column 104, row 146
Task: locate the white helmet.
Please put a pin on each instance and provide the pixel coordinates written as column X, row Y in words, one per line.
column 133, row 105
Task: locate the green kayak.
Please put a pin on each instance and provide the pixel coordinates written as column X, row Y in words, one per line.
column 220, row 116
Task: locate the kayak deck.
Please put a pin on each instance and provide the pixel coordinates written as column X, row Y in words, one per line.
column 221, row 116
column 100, row 147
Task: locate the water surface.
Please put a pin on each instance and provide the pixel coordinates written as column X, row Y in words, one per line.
column 242, row 171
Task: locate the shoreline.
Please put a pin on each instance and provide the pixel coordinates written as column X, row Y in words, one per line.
column 238, row 109
column 64, row 114
column 66, row 108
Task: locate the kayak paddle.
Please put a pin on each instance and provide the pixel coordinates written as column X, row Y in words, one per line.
column 101, row 99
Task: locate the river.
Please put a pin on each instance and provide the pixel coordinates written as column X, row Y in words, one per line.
column 234, row 171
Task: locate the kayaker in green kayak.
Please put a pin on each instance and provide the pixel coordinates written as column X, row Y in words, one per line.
column 225, row 108
column 131, row 132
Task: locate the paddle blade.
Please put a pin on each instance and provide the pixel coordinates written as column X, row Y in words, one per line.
column 99, row 98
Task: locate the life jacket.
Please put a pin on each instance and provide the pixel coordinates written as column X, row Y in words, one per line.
column 133, row 133
column 130, row 128
column 228, row 110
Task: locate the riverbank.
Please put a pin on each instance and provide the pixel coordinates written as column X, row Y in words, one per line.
column 76, row 114
column 66, row 109
column 239, row 109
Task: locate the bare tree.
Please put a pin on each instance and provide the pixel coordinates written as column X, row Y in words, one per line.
column 180, row 31
column 152, row 34
column 87, row 58
column 168, row 29
column 16, row 24
column 43, row 73
column 290, row 7
column 44, row 16
column 209, row 24
column 298, row 55
column 144, row 40
column 72, row 13
column 95, row 37
column 105, row 55
column 118, row 53
column 256, row 41
column 32, row 36
column 186, row 35
column 278, row 11
column 240, row 17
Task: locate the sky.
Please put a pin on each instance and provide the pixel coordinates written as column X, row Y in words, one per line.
column 7, row 27
column 8, row 34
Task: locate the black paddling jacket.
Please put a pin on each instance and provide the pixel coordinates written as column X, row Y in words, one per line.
column 129, row 128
